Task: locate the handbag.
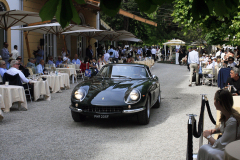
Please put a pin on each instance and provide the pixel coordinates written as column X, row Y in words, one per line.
column 88, row 71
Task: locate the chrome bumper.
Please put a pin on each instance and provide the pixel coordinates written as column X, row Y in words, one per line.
column 75, row 109
column 133, row 110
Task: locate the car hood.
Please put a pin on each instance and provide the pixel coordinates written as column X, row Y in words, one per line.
column 109, row 92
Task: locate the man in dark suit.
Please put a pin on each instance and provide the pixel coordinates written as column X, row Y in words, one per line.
column 89, row 52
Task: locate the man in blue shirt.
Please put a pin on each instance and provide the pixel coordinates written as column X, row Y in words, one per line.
column 5, row 53
column 76, row 60
column 50, row 60
column 59, row 61
column 39, row 54
column 40, row 67
column 31, row 63
column 2, row 67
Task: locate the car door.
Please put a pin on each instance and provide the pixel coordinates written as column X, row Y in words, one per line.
column 154, row 88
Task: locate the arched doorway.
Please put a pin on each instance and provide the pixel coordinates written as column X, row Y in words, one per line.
column 3, row 33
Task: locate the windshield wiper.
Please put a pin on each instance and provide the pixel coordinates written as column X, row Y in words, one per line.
column 121, row 76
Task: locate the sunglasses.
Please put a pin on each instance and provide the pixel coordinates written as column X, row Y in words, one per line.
column 17, row 64
column 4, row 64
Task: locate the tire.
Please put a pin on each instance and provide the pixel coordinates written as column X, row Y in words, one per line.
column 77, row 117
column 144, row 116
column 158, row 103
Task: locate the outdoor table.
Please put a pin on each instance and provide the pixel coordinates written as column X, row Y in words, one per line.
column 41, row 88
column 232, row 151
column 56, row 82
column 64, row 80
column 2, row 105
column 70, row 71
column 12, row 93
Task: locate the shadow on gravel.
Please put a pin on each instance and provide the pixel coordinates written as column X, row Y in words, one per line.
column 131, row 121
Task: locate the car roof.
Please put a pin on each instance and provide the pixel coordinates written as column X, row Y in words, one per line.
column 126, row 64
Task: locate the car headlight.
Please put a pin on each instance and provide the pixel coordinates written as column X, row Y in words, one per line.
column 80, row 94
column 134, row 95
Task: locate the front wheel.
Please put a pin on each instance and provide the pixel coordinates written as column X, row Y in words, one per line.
column 144, row 116
column 77, row 117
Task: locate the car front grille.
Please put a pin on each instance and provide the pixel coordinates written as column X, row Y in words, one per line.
column 102, row 109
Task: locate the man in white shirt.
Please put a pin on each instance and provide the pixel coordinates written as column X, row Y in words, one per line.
column 210, row 65
column 14, row 52
column 154, row 51
column 193, row 60
column 15, row 70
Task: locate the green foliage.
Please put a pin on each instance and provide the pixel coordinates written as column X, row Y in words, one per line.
column 215, row 25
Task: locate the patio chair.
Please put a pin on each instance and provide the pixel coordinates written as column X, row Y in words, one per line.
column 206, row 71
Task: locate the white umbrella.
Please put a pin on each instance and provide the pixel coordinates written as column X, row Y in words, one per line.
column 53, row 28
column 130, row 39
column 171, row 43
column 12, row 18
column 199, row 43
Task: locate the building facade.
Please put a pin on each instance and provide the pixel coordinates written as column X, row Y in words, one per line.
column 51, row 44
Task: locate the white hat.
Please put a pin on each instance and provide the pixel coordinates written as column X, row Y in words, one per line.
column 204, row 54
column 65, row 58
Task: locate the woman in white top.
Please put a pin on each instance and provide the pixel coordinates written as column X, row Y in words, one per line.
column 230, row 120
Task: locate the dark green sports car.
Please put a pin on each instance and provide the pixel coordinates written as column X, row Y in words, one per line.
column 117, row 90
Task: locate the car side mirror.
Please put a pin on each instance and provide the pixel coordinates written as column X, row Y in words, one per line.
column 155, row 77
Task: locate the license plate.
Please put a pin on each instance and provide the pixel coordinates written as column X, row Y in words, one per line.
column 101, row 116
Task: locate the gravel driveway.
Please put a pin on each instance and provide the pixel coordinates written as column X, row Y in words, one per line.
column 47, row 131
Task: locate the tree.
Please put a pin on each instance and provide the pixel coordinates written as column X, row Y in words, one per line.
column 214, row 28
column 199, row 9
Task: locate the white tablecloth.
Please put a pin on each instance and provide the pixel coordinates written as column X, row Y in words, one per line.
column 64, row 80
column 69, row 71
column 12, row 94
column 58, row 82
column 41, row 88
column 2, row 106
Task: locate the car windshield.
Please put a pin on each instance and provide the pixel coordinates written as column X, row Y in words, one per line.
column 123, row 71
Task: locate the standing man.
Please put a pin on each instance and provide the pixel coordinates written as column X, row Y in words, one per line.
column 38, row 54
column 89, row 52
column 193, row 61
column 189, row 50
column 4, row 53
column 14, row 52
column 154, row 51
column 111, row 51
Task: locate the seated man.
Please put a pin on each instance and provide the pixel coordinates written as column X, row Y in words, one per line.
column 31, row 62
column 210, row 65
column 234, row 80
column 15, row 70
column 59, row 61
column 22, row 68
column 40, row 67
column 2, row 67
column 50, row 60
column 68, row 59
column 231, row 62
column 76, row 60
